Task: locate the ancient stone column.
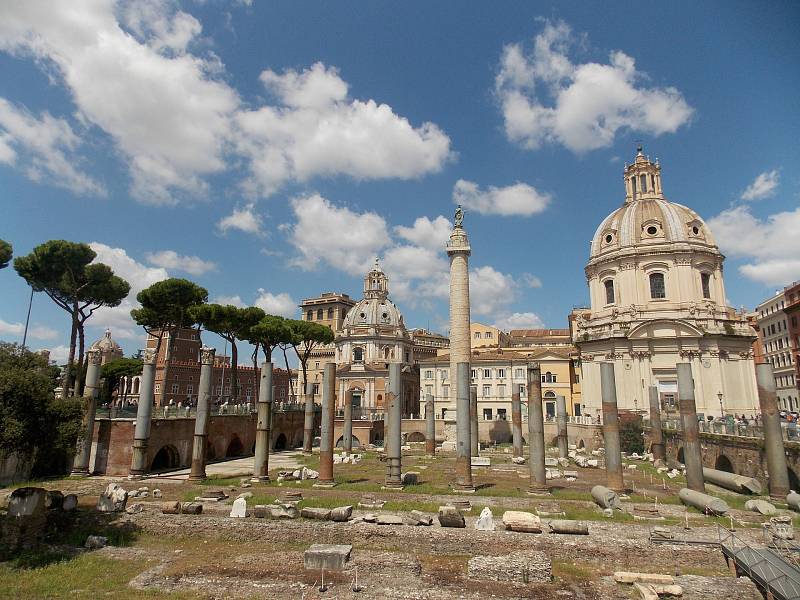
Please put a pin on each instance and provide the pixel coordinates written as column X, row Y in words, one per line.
column 656, row 432
column 347, row 430
column 264, row 415
column 773, row 439
column 691, row 435
column 200, row 443
column 144, row 410
column 473, row 421
column 326, row 440
column 90, row 391
column 608, row 390
column 308, row 424
column 538, row 481
column 463, row 433
column 516, row 420
column 561, row 422
column 430, row 425
column 392, row 442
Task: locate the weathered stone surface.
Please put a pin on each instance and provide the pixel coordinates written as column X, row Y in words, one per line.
column 245, row 495
column 191, row 508
column 261, row 511
column 239, row 508
column 341, row 514
column 113, row 499
column 320, row 514
column 95, row 542
column 631, row 577
column 27, row 502
column 331, row 557
column 550, row 462
column 283, row 511
column 646, row 591
column 70, row 502
column 416, row 517
column 569, row 527
column 518, row 460
column 134, row 508
column 384, row 519
column 409, row 478
column 523, row 522
column 171, row 508
column 450, row 516
column 761, row 506
column 481, row 461
column 157, row 493
column 485, row 521
column 606, row 498
column 781, row 528
column 53, row 500
column 514, row 567
column 309, row 474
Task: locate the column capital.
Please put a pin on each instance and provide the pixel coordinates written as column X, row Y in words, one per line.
column 207, row 355
column 94, row 356
column 458, row 243
column 149, row 356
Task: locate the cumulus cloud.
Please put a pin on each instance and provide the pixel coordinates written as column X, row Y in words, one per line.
column 546, row 98
column 336, row 236
column 519, row 320
column 519, row 199
column 490, row 290
column 770, row 244
column 317, row 130
column 763, row 186
column 531, row 281
column 169, row 259
column 44, row 148
column 244, row 219
column 39, row 332
column 58, row 354
column 426, row 232
column 282, row 304
column 232, row 300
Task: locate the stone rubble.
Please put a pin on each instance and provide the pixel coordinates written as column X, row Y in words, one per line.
column 113, row 499
column 485, row 521
column 523, row 522
column 239, row 508
column 95, row 542
column 514, row 567
column 450, row 516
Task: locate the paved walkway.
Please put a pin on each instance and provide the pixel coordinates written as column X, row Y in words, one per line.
column 240, row 467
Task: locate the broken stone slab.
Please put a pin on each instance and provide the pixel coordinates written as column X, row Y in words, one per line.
column 341, row 514
column 409, row 478
column 485, row 520
column 239, row 508
column 319, row 514
column 581, row 461
column 568, row 527
column 549, row 509
column 283, row 511
column 212, row 496
column 661, row 533
column 593, row 463
column 651, row 591
column 653, row 578
column 113, row 499
column 632, row 467
column 245, row 495
column 563, row 462
column 331, row 557
column 191, row 508
column 95, row 542
column 514, row 567
column 171, row 508
column 761, row 506
column 134, row 508
column 70, row 502
column 157, row 493
column 523, row 522
column 384, row 519
column 416, row 517
column 461, row 505
column 550, row 462
column 518, row 460
column 573, row 474
column 53, row 500
column 552, row 474
column 450, row 516
column 781, row 528
column 606, row 498
column 261, row 511
column 27, row 502
column 646, row 591
column 481, row 461
column 309, row 474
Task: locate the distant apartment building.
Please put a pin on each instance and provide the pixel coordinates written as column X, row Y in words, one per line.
column 780, row 345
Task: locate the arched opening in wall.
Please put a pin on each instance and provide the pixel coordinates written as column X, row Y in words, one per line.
column 280, row 443
column 340, row 442
column 723, row 463
column 680, row 455
column 135, row 386
column 416, row 436
column 235, row 448
column 581, row 445
column 166, row 458
column 794, row 482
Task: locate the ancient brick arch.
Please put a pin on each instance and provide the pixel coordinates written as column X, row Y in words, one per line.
column 166, row 458
column 235, row 447
column 416, row 436
column 280, row 442
column 723, row 463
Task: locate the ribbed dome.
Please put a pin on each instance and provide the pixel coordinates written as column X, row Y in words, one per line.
column 106, row 344
column 371, row 312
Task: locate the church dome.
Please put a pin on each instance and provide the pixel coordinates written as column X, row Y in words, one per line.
column 106, row 344
column 646, row 218
column 375, row 309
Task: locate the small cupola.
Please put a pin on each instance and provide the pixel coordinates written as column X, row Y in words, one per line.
column 376, row 283
column 642, row 178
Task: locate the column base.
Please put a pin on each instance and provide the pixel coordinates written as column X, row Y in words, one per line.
column 397, row 487
column 135, row 476
column 79, row 472
column 538, row 491
column 459, row 489
column 325, row 485
column 261, row 479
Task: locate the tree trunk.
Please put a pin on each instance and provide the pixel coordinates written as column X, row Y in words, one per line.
column 65, row 383
column 79, row 373
column 234, row 372
column 288, row 372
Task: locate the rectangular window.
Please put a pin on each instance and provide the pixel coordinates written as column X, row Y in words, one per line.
column 501, row 391
column 487, row 373
column 487, row 414
column 705, row 281
column 218, row 390
column 577, row 378
column 429, row 374
column 189, row 390
column 477, row 335
column 474, row 373
column 446, row 391
column 519, row 373
column 157, row 388
column 175, row 387
column 428, row 389
column 487, row 391
column 316, row 389
column 501, row 414
column 443, row 374
column 501, row 373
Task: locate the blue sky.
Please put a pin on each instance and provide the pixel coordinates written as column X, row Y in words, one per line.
column 270, row 150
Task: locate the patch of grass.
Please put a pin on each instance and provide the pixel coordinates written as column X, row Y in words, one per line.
column 571, row 571
column 219, row 481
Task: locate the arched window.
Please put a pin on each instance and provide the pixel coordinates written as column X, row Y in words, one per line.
column 330, row 313
column 657, row 287
column 643, row 179
column 319, row 314
column 705, row 282
column 609, row 284
column 358, row 354
column 310, row 315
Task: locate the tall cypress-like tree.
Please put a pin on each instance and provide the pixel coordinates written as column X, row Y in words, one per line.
column 166, row 309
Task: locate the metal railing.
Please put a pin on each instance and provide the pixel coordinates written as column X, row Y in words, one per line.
column 190, row 412
column 789, row 431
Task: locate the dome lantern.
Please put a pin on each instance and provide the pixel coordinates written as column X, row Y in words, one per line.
column 642, row 178
column 376, row 283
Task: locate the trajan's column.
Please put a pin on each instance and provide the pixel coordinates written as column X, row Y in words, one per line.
column 458, row 250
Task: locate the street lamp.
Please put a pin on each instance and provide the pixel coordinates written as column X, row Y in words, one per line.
column 721, row 409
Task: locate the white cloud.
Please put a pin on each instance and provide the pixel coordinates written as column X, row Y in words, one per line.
column 47, row 146
column 58, row 354
column 531, row 281
column 169, row 259
column 39, row 332
column 771, row 244
column 337, row 236
column 763, row 186
column 244, row 219
column 519, row 320
column 232, row 300
column 490, row 290
column 589, row 102
column 282, row 304
column 519, row 199
column 159, row 105
column 316, row 130
column 430, row 234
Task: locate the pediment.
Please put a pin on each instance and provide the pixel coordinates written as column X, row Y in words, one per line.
column 664, row 328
